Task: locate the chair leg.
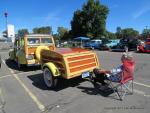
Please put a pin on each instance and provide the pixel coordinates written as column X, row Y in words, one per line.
column 116, row 91
column 132, row 87
column 127, row 86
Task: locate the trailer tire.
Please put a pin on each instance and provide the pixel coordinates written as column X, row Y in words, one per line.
column 49, row 79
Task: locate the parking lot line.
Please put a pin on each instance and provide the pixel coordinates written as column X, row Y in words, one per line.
column 5, row 76
column 141, row 84
column 32, row 96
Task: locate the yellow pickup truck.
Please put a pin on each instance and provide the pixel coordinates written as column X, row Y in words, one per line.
column 27, row 49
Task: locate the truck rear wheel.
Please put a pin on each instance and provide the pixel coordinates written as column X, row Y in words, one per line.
column 49, row 79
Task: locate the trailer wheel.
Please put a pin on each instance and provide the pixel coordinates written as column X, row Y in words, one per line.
column 49, row 79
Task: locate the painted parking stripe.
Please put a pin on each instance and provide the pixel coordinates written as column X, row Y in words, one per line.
column 5, row 76
column 32, row 96
column 141, row 84
column 141, row 93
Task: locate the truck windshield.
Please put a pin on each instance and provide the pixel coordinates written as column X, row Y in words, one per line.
column 46, row 40
column 33, row 41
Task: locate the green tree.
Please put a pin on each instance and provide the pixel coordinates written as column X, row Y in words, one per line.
column 129, row 32
column 62, row 32
column 145, row 33
column 90, row 21
column 22, row 32
column 42, row 30
column 110, row 35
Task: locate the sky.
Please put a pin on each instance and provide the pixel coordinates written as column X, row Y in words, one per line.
column 55, row 13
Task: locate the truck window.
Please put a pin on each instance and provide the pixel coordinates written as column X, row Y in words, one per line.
column 33, row 41
column 46, row 40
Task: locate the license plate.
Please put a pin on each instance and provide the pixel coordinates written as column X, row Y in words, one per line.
column 85, row 74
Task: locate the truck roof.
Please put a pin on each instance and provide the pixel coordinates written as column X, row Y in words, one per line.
column 36, row 35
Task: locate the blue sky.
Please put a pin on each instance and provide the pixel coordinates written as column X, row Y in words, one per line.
column 35, row 13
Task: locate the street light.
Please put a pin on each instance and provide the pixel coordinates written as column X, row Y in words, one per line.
column 6, row 15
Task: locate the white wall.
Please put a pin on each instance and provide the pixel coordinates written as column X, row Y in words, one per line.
column 11, row 32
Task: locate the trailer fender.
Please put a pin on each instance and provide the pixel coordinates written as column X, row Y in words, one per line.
column 52, row 68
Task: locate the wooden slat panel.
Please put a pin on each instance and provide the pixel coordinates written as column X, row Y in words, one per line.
column 82, row 67
column 80, row 57
column 79, row 63
column 31, row 50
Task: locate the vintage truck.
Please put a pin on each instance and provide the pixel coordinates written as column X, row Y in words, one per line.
column 26, row 50
column 55, row 62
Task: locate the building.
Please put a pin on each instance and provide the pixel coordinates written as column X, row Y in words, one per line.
column 11, row 32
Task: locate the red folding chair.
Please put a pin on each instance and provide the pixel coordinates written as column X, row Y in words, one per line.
column 126, row 82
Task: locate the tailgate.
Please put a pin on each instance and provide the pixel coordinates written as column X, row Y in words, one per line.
column 77, row 64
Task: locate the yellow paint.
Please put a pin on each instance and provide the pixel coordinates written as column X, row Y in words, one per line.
column 33, row 61
column 52, row 68
column 38, row 51
column 21, row 57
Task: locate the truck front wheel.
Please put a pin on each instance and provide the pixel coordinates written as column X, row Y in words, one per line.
column 49, row 79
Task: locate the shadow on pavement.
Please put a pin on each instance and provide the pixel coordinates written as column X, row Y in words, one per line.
column 38, row 81
column 13, row 65
column 104, row 91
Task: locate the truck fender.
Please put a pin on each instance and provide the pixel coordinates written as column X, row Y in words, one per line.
column 21, row 57
column 51, row 66
column 38, row 51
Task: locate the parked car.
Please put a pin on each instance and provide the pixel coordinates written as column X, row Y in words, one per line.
column 103, row 47
column 129, row 42
column 27, row 49
column 93, row 44
column 112, row 42
column 144, row 47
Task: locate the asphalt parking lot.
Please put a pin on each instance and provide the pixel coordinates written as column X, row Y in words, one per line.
column 25, row 92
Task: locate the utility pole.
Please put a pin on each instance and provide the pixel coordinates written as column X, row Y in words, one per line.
column 6, row 15
column 146, row 32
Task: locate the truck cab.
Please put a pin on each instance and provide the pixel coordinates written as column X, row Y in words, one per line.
column 27, row 49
